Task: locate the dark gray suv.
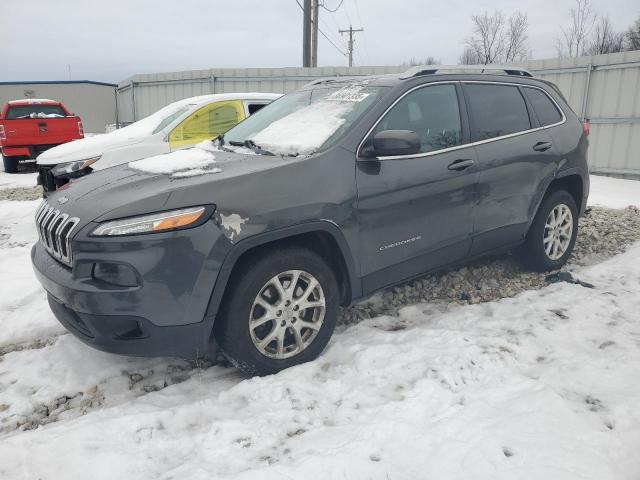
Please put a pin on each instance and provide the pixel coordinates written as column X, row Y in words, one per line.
column 321, row 198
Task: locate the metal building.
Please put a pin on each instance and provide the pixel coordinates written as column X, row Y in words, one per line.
column 141, row 95
column 603, row 88
column 94, row 102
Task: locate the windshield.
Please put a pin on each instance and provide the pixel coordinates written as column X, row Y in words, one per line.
column 170, row 118
column 303, row 122
column 35, row 111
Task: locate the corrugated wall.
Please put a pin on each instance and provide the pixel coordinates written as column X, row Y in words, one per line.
column 153, row 91
column 603, row 88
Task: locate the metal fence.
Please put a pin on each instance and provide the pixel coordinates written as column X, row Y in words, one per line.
column 604, row 89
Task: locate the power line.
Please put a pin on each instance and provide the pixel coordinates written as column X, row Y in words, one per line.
column 323, row 34
column 335, row 9
column 337, row 40
column 364, row 35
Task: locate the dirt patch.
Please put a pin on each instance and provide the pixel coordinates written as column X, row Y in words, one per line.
column 21, row 193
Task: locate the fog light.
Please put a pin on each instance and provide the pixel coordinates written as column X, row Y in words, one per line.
column 115, row 274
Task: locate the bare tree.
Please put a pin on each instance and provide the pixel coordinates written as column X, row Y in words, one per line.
column 516, row 38
column 633, row 36
column 469, row 57
column 573, row 40
column 605, row 39
column 427, row 61
column 487, row 41
column 495, row 39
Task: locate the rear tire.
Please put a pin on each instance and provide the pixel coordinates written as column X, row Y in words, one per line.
column 265, row 325
column 552, row 235
column 10, row 164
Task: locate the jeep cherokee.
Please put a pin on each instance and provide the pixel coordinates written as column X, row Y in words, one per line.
column 330, row 193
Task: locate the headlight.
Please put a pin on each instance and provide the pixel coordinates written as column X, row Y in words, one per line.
column 157, row 222
column 73, row 166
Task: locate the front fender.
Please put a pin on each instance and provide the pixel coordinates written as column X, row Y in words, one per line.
column 238, row 249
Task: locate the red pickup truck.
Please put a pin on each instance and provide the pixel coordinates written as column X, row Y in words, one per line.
column 30, row 126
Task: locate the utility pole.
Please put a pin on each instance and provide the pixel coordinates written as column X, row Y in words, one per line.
column 310, row 33
column 351, row 31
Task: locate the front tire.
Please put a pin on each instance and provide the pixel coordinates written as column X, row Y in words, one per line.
column 10, row 164
column 280, row 310
column 552, row 235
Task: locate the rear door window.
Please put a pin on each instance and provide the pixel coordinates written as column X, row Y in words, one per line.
column 496, row 110
column 432, row 112
column 543, row 106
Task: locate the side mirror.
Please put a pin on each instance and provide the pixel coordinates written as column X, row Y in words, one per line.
column 395, row 142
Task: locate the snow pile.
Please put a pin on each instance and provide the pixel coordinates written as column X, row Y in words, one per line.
column 45, row 115
column 305, row 130
column 182, row 163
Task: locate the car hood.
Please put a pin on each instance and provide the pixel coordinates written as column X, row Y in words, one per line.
column 123, row 191
column 88, row 147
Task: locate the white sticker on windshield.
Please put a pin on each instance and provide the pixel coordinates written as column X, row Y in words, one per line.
column 351, row 93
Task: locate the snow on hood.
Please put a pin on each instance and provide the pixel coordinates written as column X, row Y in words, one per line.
column 305, row 130
column 136, row 132
column 181, row 163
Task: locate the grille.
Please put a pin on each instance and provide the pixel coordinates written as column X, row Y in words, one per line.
column 54, row 231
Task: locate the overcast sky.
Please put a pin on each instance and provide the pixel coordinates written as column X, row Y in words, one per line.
column 109, row 40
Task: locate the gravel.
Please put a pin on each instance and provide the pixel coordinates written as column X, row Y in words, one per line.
column 603, row 232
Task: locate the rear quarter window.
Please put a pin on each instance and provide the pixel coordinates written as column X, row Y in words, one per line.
column 543, row 106
column 496, row 110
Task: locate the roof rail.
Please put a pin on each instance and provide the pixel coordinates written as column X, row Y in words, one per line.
column 442, row 69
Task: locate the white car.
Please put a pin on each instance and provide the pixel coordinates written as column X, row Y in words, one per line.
column 179, row 125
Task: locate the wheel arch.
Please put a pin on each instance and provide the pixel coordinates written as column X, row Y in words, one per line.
column 323, row 237
column 570, row 180
column 572, row 183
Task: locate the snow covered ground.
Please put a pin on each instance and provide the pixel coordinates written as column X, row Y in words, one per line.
column 25, row 179
column 614, row 192
column 542, row 385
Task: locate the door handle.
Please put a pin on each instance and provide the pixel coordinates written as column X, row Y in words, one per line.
column 461, row 164
column 542, row 146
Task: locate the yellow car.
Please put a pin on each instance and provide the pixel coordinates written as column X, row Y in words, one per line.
column 181, row 124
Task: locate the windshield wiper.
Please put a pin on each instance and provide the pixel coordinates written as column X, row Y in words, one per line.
column 220, row 140
column 250, row 144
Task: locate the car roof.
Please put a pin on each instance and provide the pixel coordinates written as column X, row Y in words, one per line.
column 31, row 101
column 221, row 97
column 433, row 72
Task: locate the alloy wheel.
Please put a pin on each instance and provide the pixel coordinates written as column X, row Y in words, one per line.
column 557, row 231
column 287, row 314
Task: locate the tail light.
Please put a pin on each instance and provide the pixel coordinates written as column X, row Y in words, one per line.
column 80, row 129
column 2, row 135
column 585, row 127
